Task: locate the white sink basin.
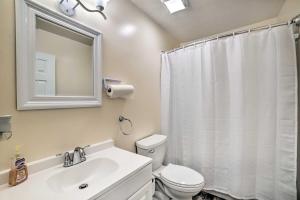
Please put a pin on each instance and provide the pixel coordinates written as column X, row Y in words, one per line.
column 84, row 173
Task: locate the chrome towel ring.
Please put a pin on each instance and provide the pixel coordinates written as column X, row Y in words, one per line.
column 123, row 119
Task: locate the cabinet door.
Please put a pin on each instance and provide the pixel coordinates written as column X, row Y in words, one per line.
column 145, row 193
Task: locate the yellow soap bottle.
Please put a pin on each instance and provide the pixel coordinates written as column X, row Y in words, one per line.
column 18, row 173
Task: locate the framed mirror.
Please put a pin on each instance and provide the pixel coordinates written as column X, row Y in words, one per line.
column 58, row 60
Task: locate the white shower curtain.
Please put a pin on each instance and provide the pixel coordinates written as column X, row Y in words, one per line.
column 229, row 111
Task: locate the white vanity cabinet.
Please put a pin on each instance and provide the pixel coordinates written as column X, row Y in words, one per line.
column 145, row 193
column 136, row 187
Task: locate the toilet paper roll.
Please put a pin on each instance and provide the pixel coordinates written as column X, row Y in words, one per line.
column 120, row 90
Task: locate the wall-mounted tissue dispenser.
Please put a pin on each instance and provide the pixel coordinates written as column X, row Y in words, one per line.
column 116, row 89
column 5, row 127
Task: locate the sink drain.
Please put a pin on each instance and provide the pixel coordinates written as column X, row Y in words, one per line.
column 83, row 186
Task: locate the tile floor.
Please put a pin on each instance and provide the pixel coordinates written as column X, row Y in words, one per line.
column 206, row 196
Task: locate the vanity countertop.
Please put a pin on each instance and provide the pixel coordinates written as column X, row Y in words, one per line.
column 118, row 165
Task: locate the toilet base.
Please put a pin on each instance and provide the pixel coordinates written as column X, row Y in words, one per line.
column 162, row 192
column 178, row 195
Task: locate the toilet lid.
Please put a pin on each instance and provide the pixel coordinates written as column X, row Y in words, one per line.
column 181, row 176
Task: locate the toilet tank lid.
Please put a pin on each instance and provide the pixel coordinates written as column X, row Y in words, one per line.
column 151, row 141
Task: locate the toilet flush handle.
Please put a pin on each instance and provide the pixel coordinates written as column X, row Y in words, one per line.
column 151, row 151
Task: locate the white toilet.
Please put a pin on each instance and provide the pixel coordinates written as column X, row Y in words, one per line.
column 178, row 182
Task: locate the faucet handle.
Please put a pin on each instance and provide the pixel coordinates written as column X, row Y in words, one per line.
column 83, row 149
column 81, row 153
column 87, row 146
column 67, row 160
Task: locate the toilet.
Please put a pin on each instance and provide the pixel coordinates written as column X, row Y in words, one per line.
column 177, row 182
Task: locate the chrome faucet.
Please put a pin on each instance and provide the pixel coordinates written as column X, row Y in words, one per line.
column 78, row 156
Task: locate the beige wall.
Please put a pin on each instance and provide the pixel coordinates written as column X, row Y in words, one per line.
column 73, row 63
column 132, row 45
column 131, row 52
column 290, row 9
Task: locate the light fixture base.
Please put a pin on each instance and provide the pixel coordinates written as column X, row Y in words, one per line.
column 101, row 8
column 67, row 7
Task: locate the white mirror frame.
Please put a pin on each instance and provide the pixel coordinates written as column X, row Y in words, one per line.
column 26, row 13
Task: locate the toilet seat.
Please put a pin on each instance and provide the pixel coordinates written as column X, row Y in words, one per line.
column 181, row 178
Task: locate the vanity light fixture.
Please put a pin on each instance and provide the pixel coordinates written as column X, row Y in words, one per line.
column 68, row 7
column 175, row 5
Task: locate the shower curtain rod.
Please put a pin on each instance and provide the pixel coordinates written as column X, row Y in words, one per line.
column 295, row 20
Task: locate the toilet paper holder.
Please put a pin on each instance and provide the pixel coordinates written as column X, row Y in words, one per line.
column 117, row 89
column 108, row 80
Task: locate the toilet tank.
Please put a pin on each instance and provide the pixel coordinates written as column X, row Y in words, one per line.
column 154, row 147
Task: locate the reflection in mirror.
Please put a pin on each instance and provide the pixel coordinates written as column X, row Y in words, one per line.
column 64, row 61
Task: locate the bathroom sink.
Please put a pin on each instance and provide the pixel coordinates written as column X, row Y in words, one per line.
column 105, row 175
column 83, row 174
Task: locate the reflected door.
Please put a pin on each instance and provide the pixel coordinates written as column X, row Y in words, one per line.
column 44, row 79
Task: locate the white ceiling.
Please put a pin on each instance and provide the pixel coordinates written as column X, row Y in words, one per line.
column 207, row 17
